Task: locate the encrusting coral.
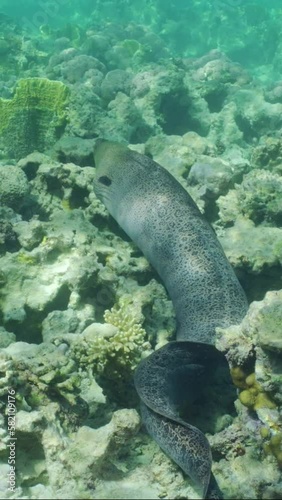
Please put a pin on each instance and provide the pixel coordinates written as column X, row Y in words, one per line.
column 252, row 396
column 274, row 447
column 253, row 350
column 259, row 198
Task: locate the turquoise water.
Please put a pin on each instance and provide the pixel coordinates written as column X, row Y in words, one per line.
column 248, row 31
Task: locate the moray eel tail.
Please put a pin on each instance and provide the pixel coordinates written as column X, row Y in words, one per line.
column 161, row 382
column 175, row 439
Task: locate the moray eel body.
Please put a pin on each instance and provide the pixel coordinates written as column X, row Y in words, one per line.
column 165, row 223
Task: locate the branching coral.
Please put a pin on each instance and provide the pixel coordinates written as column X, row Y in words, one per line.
column 115, row 348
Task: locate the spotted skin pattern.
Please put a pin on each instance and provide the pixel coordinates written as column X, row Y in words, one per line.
column 159, row 215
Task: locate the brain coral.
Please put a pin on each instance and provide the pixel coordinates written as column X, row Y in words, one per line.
column 13, row 186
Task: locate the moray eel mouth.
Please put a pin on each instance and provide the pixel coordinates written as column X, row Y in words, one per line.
column 102, row 193
column 161, row 218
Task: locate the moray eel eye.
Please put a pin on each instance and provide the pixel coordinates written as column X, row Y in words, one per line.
column 105, row 180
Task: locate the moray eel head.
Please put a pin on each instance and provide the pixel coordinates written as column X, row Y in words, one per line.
column 111, row 177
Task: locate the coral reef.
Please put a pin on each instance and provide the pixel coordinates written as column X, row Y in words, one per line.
column 52, row 414
column 258, row 198
column 255, row 364
column 253, row 350
column 199, row 91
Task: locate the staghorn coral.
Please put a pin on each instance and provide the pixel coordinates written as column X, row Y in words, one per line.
column 35, row 117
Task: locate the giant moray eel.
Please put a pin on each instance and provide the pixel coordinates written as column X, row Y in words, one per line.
column 165, row 223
